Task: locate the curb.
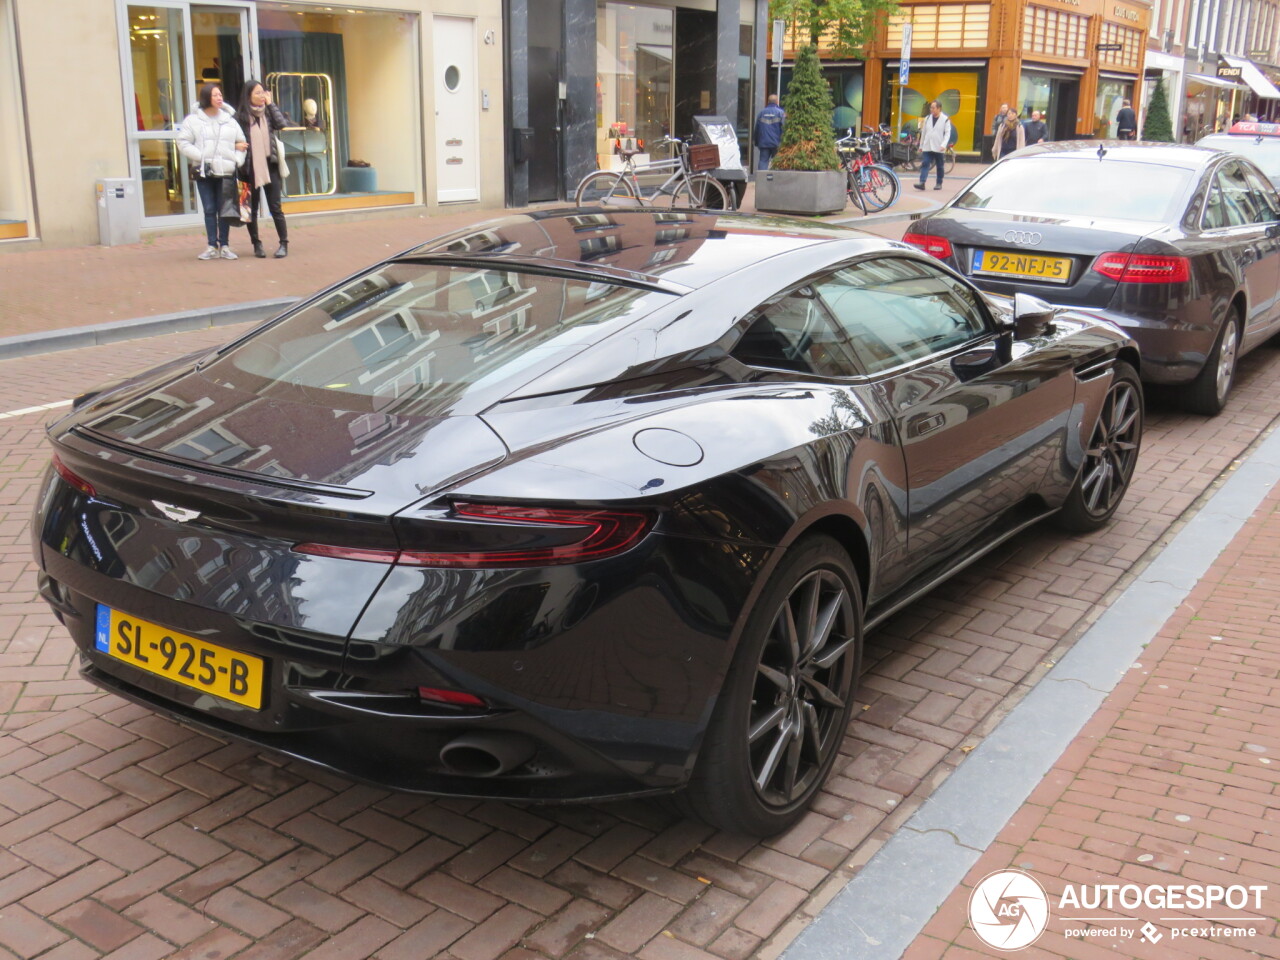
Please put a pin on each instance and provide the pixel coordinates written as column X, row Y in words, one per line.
column 880, row 912
column 49, row 341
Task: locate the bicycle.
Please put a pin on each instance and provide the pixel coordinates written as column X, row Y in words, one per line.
column 873, row 186
column 912, row 143
column 686, row 186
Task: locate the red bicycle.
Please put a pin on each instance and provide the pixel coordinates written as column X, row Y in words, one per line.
column 873, row 186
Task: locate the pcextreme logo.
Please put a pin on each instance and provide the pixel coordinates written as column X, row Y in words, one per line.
column 1009, row 910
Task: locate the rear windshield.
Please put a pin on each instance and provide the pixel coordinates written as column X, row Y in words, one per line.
column 427, row 331
column 1080, row 187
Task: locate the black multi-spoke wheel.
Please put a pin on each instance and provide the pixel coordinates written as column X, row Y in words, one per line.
column 1110, row 457
column 783, row 711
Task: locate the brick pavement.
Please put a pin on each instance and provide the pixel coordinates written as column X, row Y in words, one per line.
column 1174, row 780
column 127, row 835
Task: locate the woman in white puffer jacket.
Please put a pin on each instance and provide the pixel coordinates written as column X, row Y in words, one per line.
column 214, row 143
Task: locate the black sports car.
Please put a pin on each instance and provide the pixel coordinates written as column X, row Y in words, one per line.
column 1177, row 245
column 573, row 505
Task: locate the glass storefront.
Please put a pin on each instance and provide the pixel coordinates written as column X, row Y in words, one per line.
column 1112, row 93
column 634, row 77
column 13, row 141
column 959, row 90
column 1055, row 93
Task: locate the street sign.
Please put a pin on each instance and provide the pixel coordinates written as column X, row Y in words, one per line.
column 1110, row 47
column 904, row 65
column 779, row 31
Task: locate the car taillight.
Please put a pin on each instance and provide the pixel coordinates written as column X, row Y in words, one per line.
column 77, row 481
column 939, row 247
column 575, row 534
column 1143, row 268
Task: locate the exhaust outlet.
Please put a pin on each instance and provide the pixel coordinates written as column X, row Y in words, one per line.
column 486, row 754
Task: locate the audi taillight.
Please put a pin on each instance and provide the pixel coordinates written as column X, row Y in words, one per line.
column 73, row 478
column 939, row 247
column 483, row 535
column 1143, row 268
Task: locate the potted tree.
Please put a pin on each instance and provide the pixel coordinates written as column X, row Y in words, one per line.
column 805, row 175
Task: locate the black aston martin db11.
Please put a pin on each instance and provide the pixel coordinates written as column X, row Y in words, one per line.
column 573, row 505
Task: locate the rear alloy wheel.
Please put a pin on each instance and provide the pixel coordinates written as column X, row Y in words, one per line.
column 1110, row 458
column 786, row 702
column 1208, row 392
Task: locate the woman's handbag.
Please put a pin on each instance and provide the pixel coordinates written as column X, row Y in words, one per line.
column 282, row 165
column 246, row 206
column 229, row 200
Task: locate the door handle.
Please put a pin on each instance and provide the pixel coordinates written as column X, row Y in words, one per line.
column 918, row 426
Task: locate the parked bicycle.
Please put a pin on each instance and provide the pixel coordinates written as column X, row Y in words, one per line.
column 912, row 157
column 687, row 184
column 872, row 186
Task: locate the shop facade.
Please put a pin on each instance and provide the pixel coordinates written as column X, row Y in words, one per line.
column 1075, row 61
column 590, row 78
column 389, row 103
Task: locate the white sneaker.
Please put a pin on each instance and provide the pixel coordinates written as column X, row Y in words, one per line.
column 210, row 253
column 228, row 255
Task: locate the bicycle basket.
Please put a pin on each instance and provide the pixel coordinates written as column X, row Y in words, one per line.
column 899, row 152
column 703, row 156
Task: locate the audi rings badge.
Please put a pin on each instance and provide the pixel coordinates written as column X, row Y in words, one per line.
column 1022, row 236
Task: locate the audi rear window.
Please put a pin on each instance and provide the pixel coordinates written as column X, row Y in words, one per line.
column 409, row 331
column 1080, row 187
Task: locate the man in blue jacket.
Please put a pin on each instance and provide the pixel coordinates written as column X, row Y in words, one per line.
column 769, row 130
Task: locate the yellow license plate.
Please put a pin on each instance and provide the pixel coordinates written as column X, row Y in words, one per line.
column 1024, row 265
column 175, row 656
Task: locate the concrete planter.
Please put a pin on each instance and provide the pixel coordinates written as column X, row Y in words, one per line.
column 808, row 192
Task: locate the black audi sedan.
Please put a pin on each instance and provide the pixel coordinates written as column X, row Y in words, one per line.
column 573, row 505
column 1178, row 245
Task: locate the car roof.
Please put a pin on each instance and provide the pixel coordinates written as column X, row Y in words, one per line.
column 672, row 250
column 1187, row 156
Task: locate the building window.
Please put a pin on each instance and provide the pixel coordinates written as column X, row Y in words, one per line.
column 1055, row 33
column 13, row 140
column 634, row 75
column 1131, row 42
column 947, row 26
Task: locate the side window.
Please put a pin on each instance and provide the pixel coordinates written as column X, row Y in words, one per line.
column 896, row 310
column 1266, row 202
column 795, row 332
column 1237, row 202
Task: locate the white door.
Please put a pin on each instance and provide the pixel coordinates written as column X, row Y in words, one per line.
column 457, row 106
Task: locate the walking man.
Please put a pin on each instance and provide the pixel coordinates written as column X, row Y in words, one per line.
column 998, row 121
column 1126, row 122
column 935, row 135
column 1036, row 129
column 768, row 132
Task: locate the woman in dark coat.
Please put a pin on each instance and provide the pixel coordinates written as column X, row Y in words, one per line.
column 261, row 120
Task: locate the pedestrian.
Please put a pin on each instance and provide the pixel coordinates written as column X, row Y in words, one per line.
column 261, row 121
column 215, row 145
column 768, row 131
column 1011, row 136
column 998, row 121
column 1035, row 130
column 1126, row 122
column 935, row 137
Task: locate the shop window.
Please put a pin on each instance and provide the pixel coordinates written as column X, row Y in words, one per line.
column 347, row 82
column 634, row 76
column 947, row 26
column 13, row 141
column 1055, row 32
column 1110, row 98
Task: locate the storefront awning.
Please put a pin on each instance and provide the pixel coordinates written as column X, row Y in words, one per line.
column 1251, row 75
column 1212, row 81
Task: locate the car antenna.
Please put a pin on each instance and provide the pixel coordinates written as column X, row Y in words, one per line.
column 1102, row 151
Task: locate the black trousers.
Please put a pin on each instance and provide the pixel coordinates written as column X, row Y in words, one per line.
column 272, row 190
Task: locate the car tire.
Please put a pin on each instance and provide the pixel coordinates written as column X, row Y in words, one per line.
column 782, row 713
column 1207, row 394
column 1109, row 458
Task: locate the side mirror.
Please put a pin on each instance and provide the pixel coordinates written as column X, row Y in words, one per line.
column 1032, row 317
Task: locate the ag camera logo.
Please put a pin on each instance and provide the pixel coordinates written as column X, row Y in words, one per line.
column 1008, row 910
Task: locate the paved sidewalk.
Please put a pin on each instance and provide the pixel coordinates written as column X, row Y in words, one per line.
column 45, row 290
column 1173, row 781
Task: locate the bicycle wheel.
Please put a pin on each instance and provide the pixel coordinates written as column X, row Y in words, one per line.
column 603, row 187
column 879, row 186
column 701, row 192
column 950, row 160
column 853, row 187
